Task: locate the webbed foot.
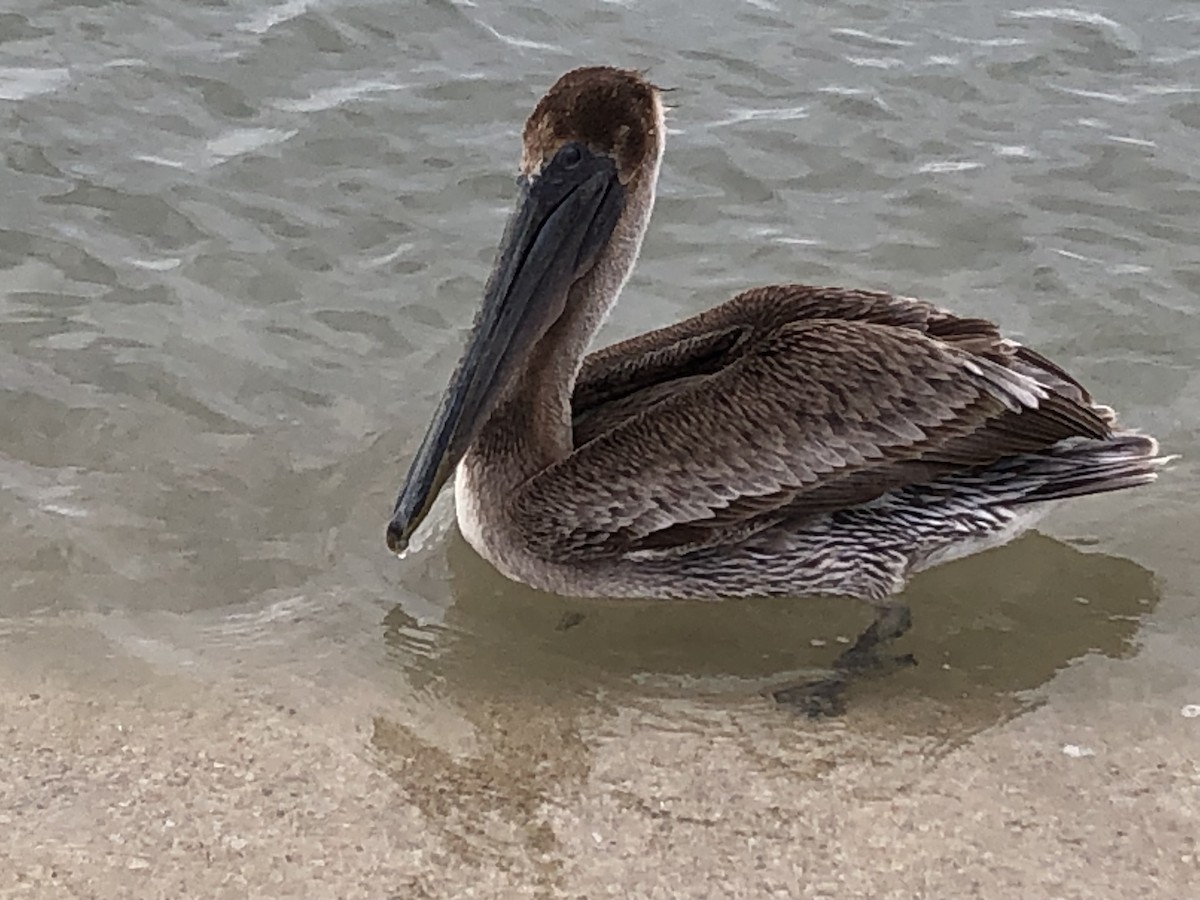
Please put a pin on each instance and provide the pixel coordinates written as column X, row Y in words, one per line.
column 825, row 697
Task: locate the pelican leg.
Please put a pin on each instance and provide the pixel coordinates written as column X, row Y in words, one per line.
column 890, row 623
column 825, row 697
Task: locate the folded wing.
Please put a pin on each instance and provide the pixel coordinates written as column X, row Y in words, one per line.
column 787, row 402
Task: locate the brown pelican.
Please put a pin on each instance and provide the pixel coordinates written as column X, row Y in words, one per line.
column 795, row 440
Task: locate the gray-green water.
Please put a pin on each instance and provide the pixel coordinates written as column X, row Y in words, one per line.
column 240, row 243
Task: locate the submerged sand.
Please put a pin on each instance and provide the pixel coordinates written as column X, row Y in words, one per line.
column 160, row 784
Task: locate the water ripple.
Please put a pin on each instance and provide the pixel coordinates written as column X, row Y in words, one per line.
column 21, row 83
column 337, row 95
column 264, row 21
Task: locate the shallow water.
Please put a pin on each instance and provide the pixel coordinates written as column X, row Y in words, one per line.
column 240, row 243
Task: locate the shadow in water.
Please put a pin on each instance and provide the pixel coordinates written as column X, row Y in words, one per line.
column 540, row 701
column 1001, row 622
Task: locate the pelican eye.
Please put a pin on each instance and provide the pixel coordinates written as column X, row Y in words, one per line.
column 570, row 155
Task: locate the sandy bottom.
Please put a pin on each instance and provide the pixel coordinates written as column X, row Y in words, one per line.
column 146, row 783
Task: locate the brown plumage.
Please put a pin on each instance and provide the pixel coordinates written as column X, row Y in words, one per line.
column 793, row 440
column 605, row 109
column 808, row 400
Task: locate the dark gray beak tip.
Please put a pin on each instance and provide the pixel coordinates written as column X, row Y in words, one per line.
column 397, row 537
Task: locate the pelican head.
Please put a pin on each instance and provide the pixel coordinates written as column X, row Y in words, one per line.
column 591, row 150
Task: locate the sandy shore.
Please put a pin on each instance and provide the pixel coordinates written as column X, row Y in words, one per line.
column 153, row 784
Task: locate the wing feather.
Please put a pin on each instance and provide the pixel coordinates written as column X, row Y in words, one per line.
column 784, row 402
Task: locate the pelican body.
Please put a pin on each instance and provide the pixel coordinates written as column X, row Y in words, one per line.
column 794, row 440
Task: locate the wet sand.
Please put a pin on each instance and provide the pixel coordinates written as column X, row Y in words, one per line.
column 132, row 781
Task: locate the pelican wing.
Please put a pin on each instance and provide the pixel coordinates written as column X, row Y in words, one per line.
column 700, row 344
column 754, row 413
